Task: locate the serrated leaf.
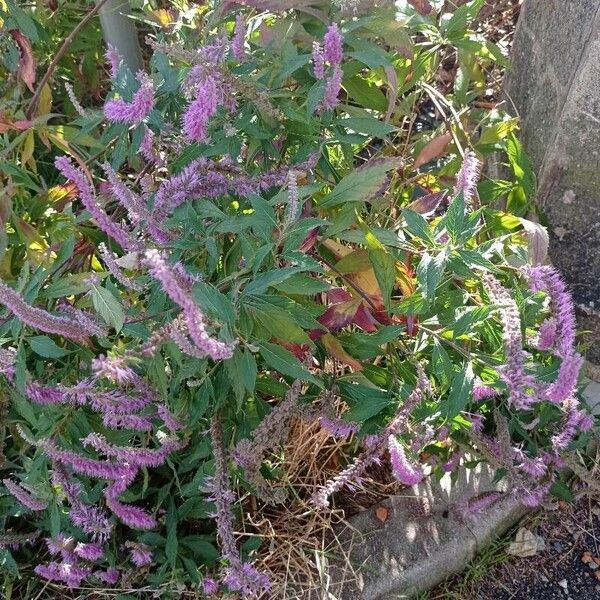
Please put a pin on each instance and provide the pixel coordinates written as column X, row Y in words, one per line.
column 455, row 217
column 416, row 225
column 285, row 362
column 384, row 265
column 473, row 316
column 364, row 401
column 262, row 281
column 302, row 285
column 360, row 185
column 108, row 307
column 46, row 347
column 368, row 125
column 216, row 304
column 460, row 393
column 430, row 271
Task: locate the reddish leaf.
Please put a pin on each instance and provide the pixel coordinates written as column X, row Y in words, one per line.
column 6, row 124
column 421, row 6
column 433, row 149
column 339, row 315
column 26, row 69
column 426, row 205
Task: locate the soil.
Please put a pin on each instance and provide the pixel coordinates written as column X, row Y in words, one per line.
column 568, row 568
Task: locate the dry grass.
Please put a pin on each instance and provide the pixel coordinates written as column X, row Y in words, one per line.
column 299, row 541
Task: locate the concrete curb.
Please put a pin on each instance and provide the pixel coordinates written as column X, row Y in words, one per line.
column 424, row 539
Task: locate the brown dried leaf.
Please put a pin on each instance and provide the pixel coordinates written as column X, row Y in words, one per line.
column 587, row 557
column 433, row 149
column 26, row 69
column 382, row 513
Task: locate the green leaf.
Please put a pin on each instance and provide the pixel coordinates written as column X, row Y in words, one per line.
column 384, row 265
column 314, row 97
column 454, row 220
column 430, row 272
column 368, row 125
column 473, row 316
column 460, row 394
column 285, row 362
column 364, row 401
column 46, row 347
column 462, row 17
column 497, row 132
column 262, row 281
column 303, row 285
column 360, row 185
column 367, row 94
column 108, row 307
column 172, row 543
column 416, row 225
column 217, row 305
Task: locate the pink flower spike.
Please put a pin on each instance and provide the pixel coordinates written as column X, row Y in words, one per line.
column 239, row 35
column 200, row 110
column 332, row 42
column 138, row 109
column 24, row 497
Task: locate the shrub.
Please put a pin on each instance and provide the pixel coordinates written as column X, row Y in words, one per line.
column 272, row 229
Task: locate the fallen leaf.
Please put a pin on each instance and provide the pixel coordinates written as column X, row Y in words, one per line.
column 596, row 560
column 382, row 513
column 587, row 557
column 526, row 544
column 433, row 149
column 26, row 69
column 597, row 574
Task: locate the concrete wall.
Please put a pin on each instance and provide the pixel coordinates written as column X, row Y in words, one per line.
column 554, row 86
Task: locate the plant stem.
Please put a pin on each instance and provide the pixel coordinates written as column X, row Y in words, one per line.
column 61, row 52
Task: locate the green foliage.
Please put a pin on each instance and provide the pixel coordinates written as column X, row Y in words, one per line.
column 354, row 292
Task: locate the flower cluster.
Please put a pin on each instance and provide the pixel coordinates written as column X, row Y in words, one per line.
column 330, row 53
column 138, row 109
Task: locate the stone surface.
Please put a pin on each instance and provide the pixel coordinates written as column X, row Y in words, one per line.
column 423, row 540
column 553, row 87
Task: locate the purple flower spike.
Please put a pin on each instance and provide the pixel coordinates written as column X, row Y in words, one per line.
column 332, row 42
column 209, row 586
column 165, row 274
column 140, row 554
column 239, row 35
column 114, row 60
column 199, row 111
column 318, row 61
column 138, row 109
column 37, row 318
column 403, row 471
column 88, row 198
column 90, row 552
column 24, row 497
column 333, row 86
column 468, row 176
